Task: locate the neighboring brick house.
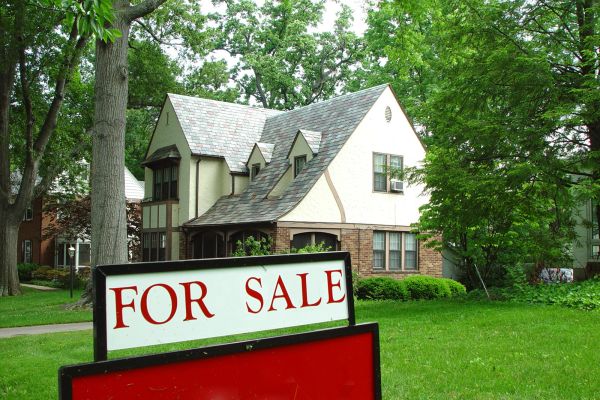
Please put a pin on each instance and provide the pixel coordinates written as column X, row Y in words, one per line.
column 218, row 172
column 34, row 247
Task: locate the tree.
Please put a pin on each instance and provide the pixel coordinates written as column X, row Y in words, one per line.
column 282, row 64
column 109, row 227
column 508, row 101
column 40, row 44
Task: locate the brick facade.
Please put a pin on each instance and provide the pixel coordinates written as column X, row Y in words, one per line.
column 281, row 240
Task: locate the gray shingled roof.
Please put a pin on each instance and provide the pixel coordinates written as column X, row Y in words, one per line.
column 219, row 129
column 163, row 153
column 267, row 150
column 313, row 139
column 336, row 119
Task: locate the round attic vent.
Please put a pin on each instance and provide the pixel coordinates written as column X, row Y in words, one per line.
column 388, row 114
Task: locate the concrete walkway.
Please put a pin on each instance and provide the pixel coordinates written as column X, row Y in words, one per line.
column 39, row 329
column 37, row 287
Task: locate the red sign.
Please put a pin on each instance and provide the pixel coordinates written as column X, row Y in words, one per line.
column 338, row 363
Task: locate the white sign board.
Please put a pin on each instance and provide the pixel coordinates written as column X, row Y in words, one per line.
column 151, row 308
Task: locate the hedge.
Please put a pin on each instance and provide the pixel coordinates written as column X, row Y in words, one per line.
column 414, row 287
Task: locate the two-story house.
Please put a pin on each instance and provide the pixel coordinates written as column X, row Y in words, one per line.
column 217, row 173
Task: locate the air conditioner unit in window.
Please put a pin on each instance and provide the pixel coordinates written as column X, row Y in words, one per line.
column 396, row 185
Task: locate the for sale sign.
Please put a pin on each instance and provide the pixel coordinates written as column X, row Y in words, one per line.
column 155, row 303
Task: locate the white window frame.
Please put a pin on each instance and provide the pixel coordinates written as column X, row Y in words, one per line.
column 388, row 168
column 403, row 251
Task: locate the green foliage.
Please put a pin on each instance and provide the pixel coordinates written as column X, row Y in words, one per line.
column 509, row 112
column 426, row 287
column 312, row 248
column 381, row 289
column 282, row 62
column 253, row 247
column 57, row 277
column 26, row 270
column 582, row 295
column 416, row 287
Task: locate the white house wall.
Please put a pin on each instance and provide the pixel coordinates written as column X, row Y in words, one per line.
column 351, row 173
column 214, row 182
column 319, row 205
column 168, row 132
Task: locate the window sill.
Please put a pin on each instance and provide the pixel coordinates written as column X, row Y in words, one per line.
column 154, row 202
column 402, row 272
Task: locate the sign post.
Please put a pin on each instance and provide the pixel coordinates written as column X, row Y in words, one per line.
column 166, row 302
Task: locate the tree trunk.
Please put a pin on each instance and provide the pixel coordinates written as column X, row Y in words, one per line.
column 109, row 219
column 9, row 231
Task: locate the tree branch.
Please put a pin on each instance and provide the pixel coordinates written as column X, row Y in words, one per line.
column 142, row 9
column 28, row 109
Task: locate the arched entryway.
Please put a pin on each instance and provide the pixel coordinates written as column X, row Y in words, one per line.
column 208, row 244
column 301, row 240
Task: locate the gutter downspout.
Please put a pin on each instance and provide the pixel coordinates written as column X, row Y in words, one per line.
column 197, row 183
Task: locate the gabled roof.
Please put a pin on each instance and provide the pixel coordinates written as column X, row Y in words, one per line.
column 219, row 129
column 336, row 118
column 163, row 153
column 134, row 189
column 312, row 138
column 266, row 150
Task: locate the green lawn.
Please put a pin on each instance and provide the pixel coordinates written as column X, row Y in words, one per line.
column 429, row 350
column 37, row 307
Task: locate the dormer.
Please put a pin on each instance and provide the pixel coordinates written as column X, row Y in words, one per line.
column 304, row 147
column 259, row 158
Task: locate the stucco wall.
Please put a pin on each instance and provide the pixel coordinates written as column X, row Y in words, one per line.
column 168, row 132
column 351, row 173
column 214, row 182
column 581, row 249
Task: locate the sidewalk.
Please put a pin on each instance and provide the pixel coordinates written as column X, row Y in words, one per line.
column 39, row 329
column 43, row 288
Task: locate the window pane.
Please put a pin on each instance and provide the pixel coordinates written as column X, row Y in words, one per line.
column 153, row 246
column 380, row 163
column 255, row 170
column 378, row 250
column 395, row 260
column 146, row 246
column 378, row 240
column 395, row 243
column 380, row 182
column 329, row 241
column 27, row 251
column 302, row 240
column 157, row 184
column 84, row 254
column 378, row 259
column 410, row 251
column 162, row 245
column 395, row 165
column 174, row 172
column 165, row 185
column 299, row 163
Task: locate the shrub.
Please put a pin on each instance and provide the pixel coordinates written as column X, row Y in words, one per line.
column 456, row 288
column 381, row 289
column 427, row 287
column 25, row 271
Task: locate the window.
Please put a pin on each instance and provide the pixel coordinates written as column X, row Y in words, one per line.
column 302, row 240
column 379, row 250
column 241, row 238
column 26, row 251
column 254, row 171
column 165, row 183
column 28, row 214
column 299, row 163
column 385, row 168
column 154, row 245
column 395, row 251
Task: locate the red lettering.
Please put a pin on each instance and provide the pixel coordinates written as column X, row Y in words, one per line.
column 144, row 304
column 331, row 285
column 119, row 306
column 254, row 294
column 284, row 295
column 305, row 302
column 200, row 301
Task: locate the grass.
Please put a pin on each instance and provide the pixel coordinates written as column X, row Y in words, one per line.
column 37, row 307
column 429, row 350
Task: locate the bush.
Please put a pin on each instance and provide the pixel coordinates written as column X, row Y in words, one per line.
column 381, row 289
column 456, row 288
column 57, row 277
column 25, row 271
column 427, row 287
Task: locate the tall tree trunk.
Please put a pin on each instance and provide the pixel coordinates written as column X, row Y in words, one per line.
column 109, row 214
column 9, row 230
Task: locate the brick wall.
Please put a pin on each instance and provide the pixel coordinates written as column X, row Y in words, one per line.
column 430, row 260
column 184, row 246
column 359, row 242
column 281, row 240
